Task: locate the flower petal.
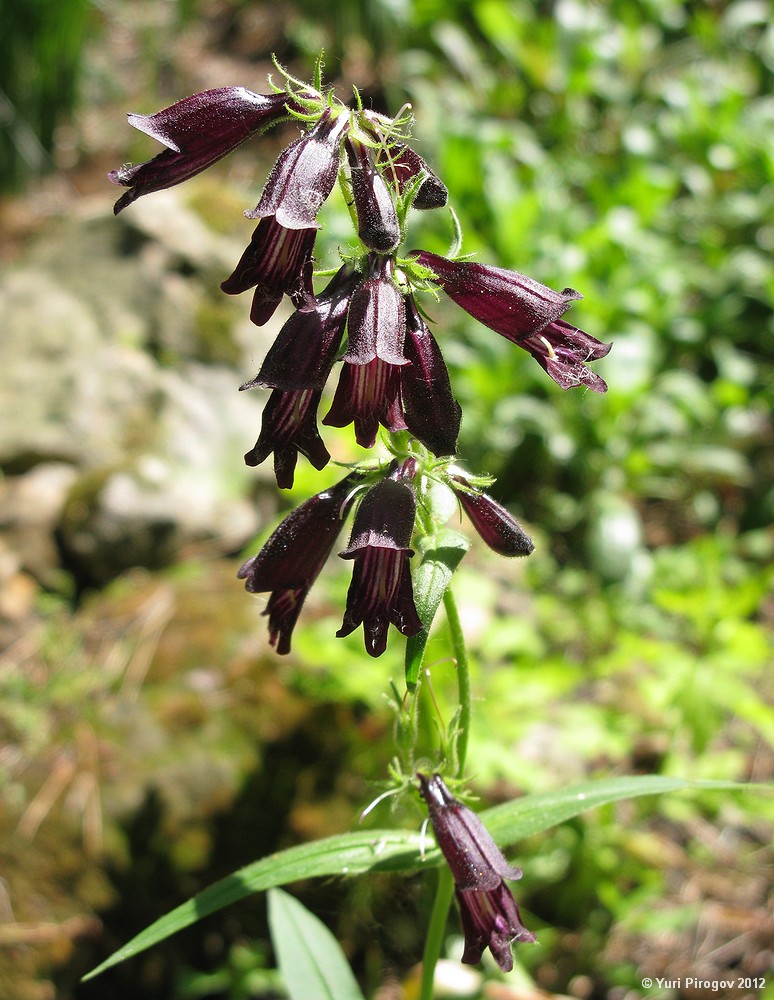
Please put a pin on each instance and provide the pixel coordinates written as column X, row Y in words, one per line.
column 304, row 175
column 197, row 132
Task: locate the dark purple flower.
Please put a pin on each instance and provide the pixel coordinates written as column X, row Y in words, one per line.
column 291, row 560
column 369, row 384
column 498, row 528
column 377, row 220
column 490, row 916
column 289, row 426
column 367, row 395
column 524, row 312
column 431, row 412
column 197, row 132
column 304, row 175
column 400, row 162
column 303, row 353
column 564, row 352
column 381, row 590
column 376, row 326
column 275, row 263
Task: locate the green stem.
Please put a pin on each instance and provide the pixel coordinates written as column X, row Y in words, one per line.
column 463, row 677
column 436, row 931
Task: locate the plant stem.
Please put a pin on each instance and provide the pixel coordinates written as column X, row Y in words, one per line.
column 445, row 887
column 435, row 932
column 463, row 677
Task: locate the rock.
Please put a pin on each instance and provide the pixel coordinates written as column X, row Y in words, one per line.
column 123, row 368
column 30, row 508
column 188, row 487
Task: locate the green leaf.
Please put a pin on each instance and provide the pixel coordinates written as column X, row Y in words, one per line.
column 400, row 850
column 346, row 854
column 310, row 958
column 442, row 554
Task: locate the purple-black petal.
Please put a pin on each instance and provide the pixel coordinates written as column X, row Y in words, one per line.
column 377, row 220
column 291, row 560
column 376, row 326
column 304, row 175
column 509, row 303
column 564, row 352
column 431, row 412
column 404, row 164
column 197, row 132
column 476, row 862
column 289, row 426
column 496, row 526
column 381, row 590
column 275, row 263
column 305, row 349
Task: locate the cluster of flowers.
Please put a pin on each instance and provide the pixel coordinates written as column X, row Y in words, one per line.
column 393, row 372
column 393, row 375
column 381, row 590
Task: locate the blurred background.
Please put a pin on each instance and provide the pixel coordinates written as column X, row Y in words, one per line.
column 150, row 741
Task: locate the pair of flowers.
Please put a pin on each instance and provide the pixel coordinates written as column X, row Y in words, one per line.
column 381, row 590
column 393, row 372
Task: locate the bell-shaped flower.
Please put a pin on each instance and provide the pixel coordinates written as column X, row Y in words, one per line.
column 523, row 311
column 381, row 590
column 304, row 175
column 368, row 387
column 401, row 162
column 496, row 526
column 368, row 395
column 197, row 132
column 289, row 426
column 377, row 220
column 430, row 411
column 305, row 349
column 291, row 560
column 275, row 263
column 490, row 916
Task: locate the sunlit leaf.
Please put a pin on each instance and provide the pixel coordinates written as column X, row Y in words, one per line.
column 310, row 958
column 398, row 850
column 439, row 561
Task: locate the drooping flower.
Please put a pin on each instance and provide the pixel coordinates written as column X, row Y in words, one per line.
column 289, row 426
column 275, row 263
column 367, row 392
column 296, row 368
column 490, row 916
column 430, row 411
column 291, row 560
column 377, row 220
column 367, row 395
column 496, row 526
column 403, row 164
column 197, row 131
column 381, row 590
column 525, row 312
column 305, row 349
column 304, row 175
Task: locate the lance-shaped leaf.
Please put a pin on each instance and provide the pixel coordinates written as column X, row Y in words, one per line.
column 366, row 851
column 441, row 555
column 309, row 957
